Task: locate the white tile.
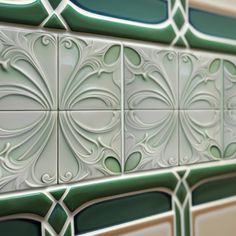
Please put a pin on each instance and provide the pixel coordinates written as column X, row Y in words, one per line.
column 151, row 139
column 229, row 134
column 200, row 82
column 200, row 136
column 89, row 145
column 28, row 149
column 90, row 73
column 28, row 79
column 229, row 76
column 151, row 78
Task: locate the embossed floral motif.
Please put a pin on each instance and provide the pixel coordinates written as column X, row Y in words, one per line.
column 151, row 139
column 27, row 149
column 90, row 144
column 151, row 80
column 90, row 74
column 27, row 71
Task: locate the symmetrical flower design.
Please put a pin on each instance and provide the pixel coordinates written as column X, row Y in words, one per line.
column 118, row 107
column 28, row 150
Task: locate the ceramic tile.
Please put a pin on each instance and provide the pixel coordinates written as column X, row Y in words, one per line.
column 89, row 73
column 229, row 75
column 229, row 134
column 89, row 145
column 200, row 136
column 28, row 79
column 28, row 149
column 151, row 139
column 200, row 82
column 151, row 78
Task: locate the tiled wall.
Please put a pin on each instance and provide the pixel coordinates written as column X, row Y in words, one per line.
column 126, row 126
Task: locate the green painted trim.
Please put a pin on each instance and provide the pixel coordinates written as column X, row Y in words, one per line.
column 36, row 203
column 20, row 227
column 54, row 22
column 214, row 190
column 199, row 174
column 82, row 194
column 57, row 218
column 30, row 14
column 212, row 23
column 54, row 3
column 178, row 221
column 121, row 210
column 197, row 42
column 82, row 23
column 179, row 19
column 57, row 194
column 187, row 220
column 145, row 11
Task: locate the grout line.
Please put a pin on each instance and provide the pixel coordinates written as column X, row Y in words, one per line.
column 58, row 124
column 122, row 110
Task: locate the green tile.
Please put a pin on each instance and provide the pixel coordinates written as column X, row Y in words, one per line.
column 36, row 203
column 181, row 193
column 30, row 14
column 146, row 11
column 214, row 190
column 121, row 210
column 54, row 3
column 57, row 218
column 179, row 18
column 54, row 22
column 82, row 23
column 19, row 227
column 79, row 195
column 57, row 194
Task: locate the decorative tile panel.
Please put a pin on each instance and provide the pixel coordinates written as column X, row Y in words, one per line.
column 28, row 78
column 28, row 149
column 89, row 145
column 151, row 78
column 89, row 73
column 200, row 136
column 151, row 139
column 200, row 82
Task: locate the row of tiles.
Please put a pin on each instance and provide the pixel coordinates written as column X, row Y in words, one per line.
column 42, row 71
column 82, row 145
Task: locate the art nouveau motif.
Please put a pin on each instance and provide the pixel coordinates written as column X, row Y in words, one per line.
column 90, row 73
column 200, row 136
column 89, row 145
column 28, row 151
column 200, row 82
column 27, row 70
column 151, row 140
column 151, row 78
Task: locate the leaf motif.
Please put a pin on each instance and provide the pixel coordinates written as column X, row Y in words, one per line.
column 214, row 66
column 133, row 161
column 112, row 54
column 113, row 164
column 132, row 56
column 230, row 150
column 215, row 151
column 231, row 68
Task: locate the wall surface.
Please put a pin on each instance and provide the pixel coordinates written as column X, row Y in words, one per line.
column 117, row 117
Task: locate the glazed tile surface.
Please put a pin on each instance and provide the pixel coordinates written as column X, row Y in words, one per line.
column 102, row 134
column 151, row 139
column 89, row 145
column 28, row 70
column 28, row 149
column 89, row 73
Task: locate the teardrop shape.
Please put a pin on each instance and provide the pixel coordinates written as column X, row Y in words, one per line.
column 132, row 56
column 113, row 164
column 230, row 150
column 112, row 54
column 231, row 68
column 132, row 161
column 215, row 65
column 215, row 151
